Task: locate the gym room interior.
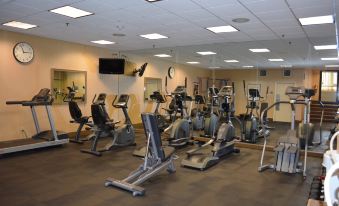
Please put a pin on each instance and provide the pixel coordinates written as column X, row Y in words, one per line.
column 169, row 102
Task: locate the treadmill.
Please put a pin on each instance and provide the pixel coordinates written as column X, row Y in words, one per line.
column 41, row 139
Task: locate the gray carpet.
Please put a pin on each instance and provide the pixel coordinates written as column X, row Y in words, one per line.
column 64, row 176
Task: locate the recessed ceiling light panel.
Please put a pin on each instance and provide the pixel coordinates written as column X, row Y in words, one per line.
column 102, row 42
column 286, row 66
column 162, row 55
column 317, row 20
column 249, row 66
column 275, row 60
column 193, row 62
column 231, row 61
column 222, row 29
column 329, row 58
column 332, row 65
column 206, row 53
column 325, row 47
column 154, row 36
column 20, row 25
column 71, row 12
column 262, row 50
column 214, row 67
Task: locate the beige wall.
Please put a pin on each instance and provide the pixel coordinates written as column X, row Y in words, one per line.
column 19, row 82
column 250, row 76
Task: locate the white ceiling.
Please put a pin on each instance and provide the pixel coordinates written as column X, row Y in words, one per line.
column 272, row 24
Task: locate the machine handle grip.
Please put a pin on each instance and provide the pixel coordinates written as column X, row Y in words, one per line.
column 14, row 102
column 95, row 96
column 244, row 85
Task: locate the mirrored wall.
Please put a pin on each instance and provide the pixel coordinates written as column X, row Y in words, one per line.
column 68, row 85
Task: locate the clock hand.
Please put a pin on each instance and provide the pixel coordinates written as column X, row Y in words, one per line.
column 22, row 49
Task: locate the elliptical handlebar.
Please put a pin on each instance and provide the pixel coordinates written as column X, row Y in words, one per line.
column 270, row 107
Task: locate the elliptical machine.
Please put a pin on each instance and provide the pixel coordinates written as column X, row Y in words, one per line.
column 197, row 114
column 211, row 118
column 307, row 128
column 104, row 126
column 163, row 123
column 223, row 143
column 250, row 122
column 180, row 128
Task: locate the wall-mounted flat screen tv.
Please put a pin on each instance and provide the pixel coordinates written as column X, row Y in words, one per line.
column 111, row 66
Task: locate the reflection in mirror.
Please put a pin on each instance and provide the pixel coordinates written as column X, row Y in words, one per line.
column 67, row 85
column 151, row 85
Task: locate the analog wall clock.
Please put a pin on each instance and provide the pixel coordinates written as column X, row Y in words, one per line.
column 23, row 52
column 171, row 72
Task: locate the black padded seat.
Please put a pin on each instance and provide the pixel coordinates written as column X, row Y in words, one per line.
column 76, row 113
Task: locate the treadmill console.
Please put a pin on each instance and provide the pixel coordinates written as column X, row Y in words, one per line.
column 294, row 92
column 122, row 101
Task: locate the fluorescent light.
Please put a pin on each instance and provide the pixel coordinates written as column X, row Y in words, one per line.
column 193, row 62
column 214, row 67
column 162, row 55
column 71, row 12
column 333, row 65
column 286, row 66
column 151, row 1
column 247, row 66
column 231, row 61
column 324, row 47
column 329, row 58
column 222, row 29
column 20, row 25
column 206, row 53
column 260, row 50
column 154, row 36
column 317, row 20
column 275, row 60
column 102, row 42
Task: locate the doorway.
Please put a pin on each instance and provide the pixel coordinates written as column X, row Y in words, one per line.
column 282, row 112
column 329, row 86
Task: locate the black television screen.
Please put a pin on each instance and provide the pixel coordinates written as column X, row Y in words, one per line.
column 111, row 66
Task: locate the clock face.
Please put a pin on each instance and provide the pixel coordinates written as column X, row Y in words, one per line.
column 171, row 72
column 23, row 52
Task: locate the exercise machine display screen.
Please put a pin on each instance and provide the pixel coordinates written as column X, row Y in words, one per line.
column 123, row 99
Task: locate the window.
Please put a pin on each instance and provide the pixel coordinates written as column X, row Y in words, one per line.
column 329, row 86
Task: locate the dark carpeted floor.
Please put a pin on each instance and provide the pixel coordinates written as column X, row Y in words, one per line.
column 64, row 176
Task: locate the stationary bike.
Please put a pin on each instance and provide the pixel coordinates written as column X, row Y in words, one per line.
column 77, row 117
column 105, row 127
